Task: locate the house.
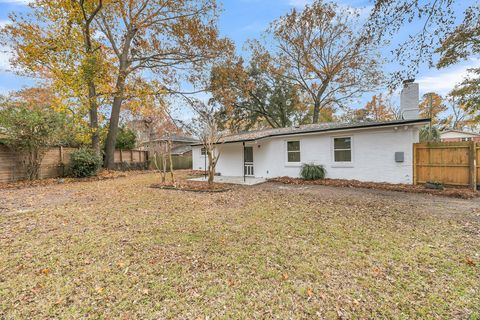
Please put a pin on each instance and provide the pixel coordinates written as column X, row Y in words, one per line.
column 181, row 144
column 365, row 151
column 457, row 135
column 152, row 136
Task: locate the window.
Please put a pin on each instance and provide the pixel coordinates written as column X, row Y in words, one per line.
column 203, row 151
column 342, row 149
column 466, row 139
column 293, row 151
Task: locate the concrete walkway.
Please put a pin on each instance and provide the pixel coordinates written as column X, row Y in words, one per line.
column 249, row 181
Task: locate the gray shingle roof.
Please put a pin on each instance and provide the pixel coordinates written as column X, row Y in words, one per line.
column 460, row 131
column 311, row 128
column 181, row 149
column 177, row 138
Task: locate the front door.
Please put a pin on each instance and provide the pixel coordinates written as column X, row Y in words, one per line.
column 248, row 161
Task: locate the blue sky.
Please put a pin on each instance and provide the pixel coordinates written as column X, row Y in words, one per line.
column 246, row 19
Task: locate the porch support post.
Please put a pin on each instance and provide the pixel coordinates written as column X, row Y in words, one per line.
column 243, row 143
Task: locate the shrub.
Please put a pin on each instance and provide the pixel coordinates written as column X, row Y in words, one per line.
column 428, row 134
column 30, row 131
column 126, row 139
column 434, row 185
column 312, row 171
column 84, row 163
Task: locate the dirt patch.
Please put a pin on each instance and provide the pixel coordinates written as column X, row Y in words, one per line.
column 462, row 193
column 102, row 175
column 193, row 186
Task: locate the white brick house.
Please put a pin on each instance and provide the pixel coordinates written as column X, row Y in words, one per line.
column 365, row 151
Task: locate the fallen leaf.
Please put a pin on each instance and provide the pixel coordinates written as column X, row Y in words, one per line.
column 310, row 292
column 469, row 261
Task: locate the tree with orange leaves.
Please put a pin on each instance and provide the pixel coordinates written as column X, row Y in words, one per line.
column 431, row 106
column 55, row 42
column 175, row 40
column 323, row 52
column 377, row 109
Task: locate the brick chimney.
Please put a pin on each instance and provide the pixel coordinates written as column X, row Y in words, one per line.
column 409, row 99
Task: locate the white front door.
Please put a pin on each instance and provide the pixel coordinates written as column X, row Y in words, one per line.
column 248, row 161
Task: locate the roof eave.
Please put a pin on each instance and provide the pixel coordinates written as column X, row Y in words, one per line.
column 375, row 125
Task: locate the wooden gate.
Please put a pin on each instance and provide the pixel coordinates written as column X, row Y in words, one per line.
column 451, row 163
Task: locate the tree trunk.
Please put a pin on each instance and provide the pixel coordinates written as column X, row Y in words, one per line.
column 171, row 161
column 92, row 92
column 114, row 120
column 92, row 97
column 316, row 111
column 164, row 167
column 211, row 174
column 211, row 167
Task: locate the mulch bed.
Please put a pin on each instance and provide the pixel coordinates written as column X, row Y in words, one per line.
column 454, row 192
column 194, row 186
column 102, row 175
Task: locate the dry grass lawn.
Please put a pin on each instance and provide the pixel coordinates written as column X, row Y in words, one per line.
column 118, row 249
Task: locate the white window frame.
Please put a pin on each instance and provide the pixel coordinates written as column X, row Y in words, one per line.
column 203, row 152
column 466, row 139
column 296, row 163
column 342, row 163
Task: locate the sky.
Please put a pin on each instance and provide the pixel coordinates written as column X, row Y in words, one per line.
column 246, row 19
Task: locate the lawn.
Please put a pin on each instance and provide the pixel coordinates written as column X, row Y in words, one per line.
column 118, row 249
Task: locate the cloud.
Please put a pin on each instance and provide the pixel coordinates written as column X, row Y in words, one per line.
column 443, row 81
column 5, row 56
column 255, row 26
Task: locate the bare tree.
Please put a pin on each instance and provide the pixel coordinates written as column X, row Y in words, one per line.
column 205, row 127
column 447, row 32
column 321, row 50
column 460, row 118
column 162, row 167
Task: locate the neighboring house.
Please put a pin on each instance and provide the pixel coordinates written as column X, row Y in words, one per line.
column 365, row 151
column 181, row 144
column 151, row 136
column 457, row 135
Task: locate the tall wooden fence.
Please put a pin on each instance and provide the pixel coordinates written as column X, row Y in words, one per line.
column 55, row 162
column 131, row 156
column 179, row 162
column 451, row 163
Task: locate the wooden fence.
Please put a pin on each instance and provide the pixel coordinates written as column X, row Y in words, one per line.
column 130, row 156
column 451, row 163
column 179, row 162
column 55, row 162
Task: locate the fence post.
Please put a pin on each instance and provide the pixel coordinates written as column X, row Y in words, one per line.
column 62, row 162
column 472, row 161
column 414, row 163
column 61, row 154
